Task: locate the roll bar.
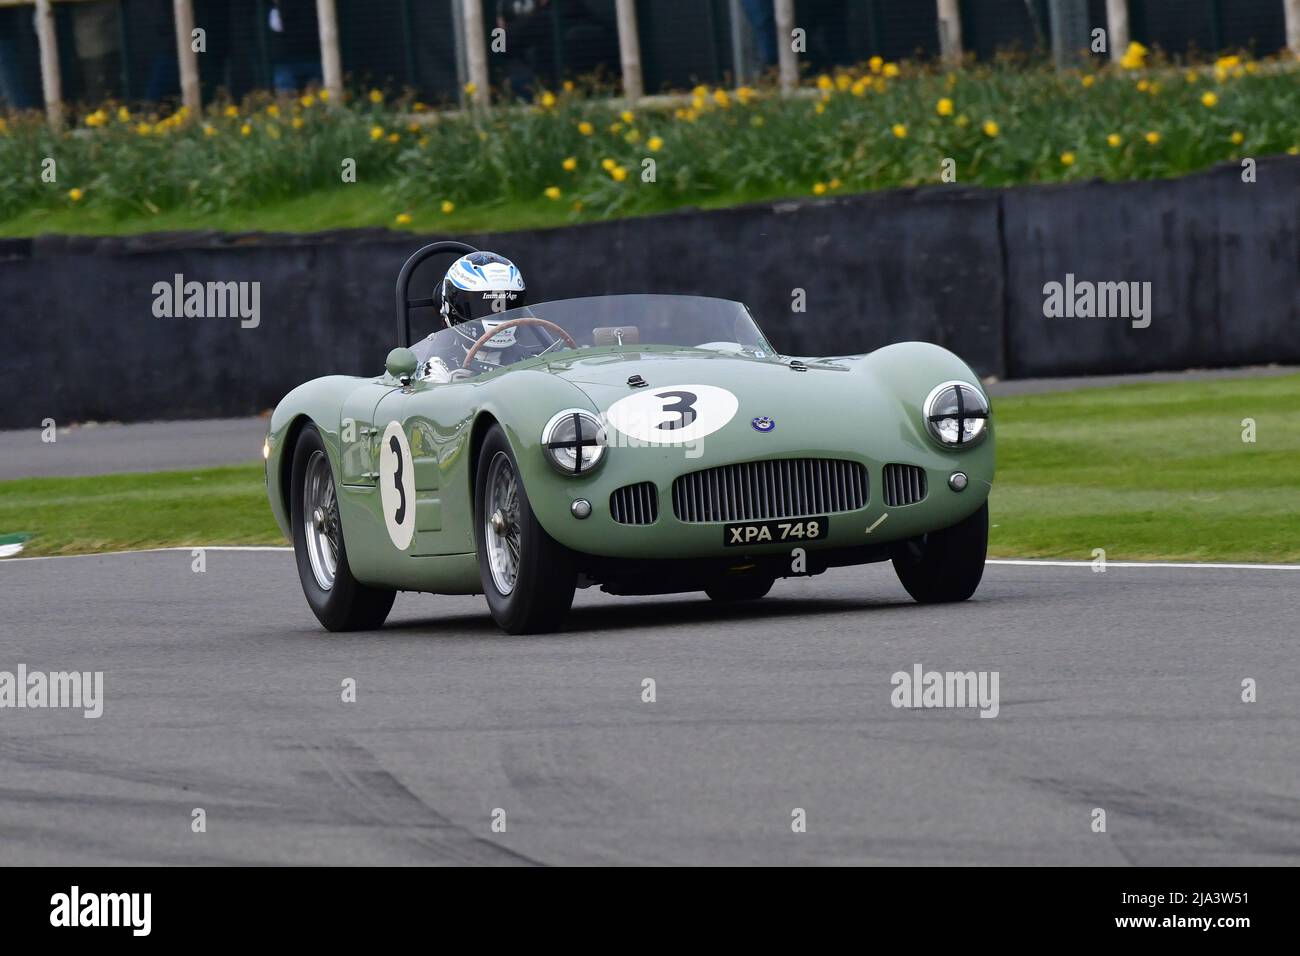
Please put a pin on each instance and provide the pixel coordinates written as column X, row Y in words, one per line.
column 405, row 304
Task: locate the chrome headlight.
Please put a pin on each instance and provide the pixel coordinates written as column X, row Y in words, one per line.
column 956, row 414
column 573, row 441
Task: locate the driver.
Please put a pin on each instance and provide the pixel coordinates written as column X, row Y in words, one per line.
column 476, row 287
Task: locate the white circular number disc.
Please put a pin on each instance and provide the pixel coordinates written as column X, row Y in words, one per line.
column 673, row 414
column 397, row 485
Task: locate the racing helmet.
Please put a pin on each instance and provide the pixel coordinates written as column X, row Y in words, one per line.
column 479, row 285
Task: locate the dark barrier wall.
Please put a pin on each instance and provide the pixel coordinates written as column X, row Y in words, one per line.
column 961, row 267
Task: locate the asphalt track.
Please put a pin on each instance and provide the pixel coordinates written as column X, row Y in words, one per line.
column 1119, row 690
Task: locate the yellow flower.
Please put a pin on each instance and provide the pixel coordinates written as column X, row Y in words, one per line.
column 1153, row 137
column 899, row 131
column 842, row 81
column 690, row 116
column 4, row 126
column 97, row 118
column 619, row 174
column 722, row 99
column 393, row 137
column 376, row 132
column 819, row 189
column 448, row 207
column 615, row 128
column 608, row 165
column 991, row 128
column 123, row 114
column 548, row 100
column 944, row 107
column 701, row 91
column 1209, row 99
column 324, row 96
column 418, row 107
column 891, row 70
column 627, row 117
column 861, row 86
column 376, row 97
column 654, row 144
column 875, row 63
column 1067, row 159
column 297, row 122
column 245, row 130
column 819, row 107
column 633, row 136
column 1088, row 80
column 553, row 192
column 835, row 184
column 570, row 164
column 824, row 82
column 209, row 129
column 568, row 86
column 746, row 95
column 1113, row 140
column 1134, row 57
column 470, row 89
column 1238, row 137
column 75, row 194
column 412, row 128
column 273, row 110
column 1193, row 76
column 307, row 101
column 230, row 112
column 1293, row 150
column 962, row 120
column 1142, row 86
column 585, row 128
column 403, row 219
column 144, row 129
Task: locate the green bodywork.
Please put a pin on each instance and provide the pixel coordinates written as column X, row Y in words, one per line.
column 865, row 408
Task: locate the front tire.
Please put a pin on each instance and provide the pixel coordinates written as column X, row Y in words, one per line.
column 945, row 566
column 528, row 577
column 339, row 601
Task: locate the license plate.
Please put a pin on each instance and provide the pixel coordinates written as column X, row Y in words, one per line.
column 774, row 532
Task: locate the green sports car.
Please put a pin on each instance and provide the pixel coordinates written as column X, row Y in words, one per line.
column 643, row 443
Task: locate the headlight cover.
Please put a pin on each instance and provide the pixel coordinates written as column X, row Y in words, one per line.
column 573, row 441
column 956, row 414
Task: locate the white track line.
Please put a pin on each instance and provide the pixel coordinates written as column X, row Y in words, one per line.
column 1024, row 562
column 1031, row 562
column 193, row 547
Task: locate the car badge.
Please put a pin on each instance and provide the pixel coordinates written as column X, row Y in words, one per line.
column 763, row 424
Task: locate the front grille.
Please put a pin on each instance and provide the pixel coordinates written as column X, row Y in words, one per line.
column 904, row 485
column 635, row 504
column 782, row 488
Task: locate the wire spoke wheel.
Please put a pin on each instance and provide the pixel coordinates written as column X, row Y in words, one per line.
column 502, row 532
column 320, row 516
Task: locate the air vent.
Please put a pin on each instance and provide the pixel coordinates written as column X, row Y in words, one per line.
column 635, row 504
column 775, row 488
column 904, row 485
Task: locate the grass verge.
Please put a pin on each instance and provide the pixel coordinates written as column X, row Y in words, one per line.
column 1156, row 471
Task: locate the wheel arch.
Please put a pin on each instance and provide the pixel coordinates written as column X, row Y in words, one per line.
column 482, row 424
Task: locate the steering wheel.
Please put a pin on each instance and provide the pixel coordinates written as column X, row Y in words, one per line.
column 482, row 339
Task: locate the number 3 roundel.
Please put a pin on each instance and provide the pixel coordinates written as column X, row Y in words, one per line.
column 673, row 414
column 397, row 485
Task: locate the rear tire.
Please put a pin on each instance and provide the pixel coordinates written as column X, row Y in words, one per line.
column 528, row 577
column 945, row 566
column 740, row 589
column 339, row 601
